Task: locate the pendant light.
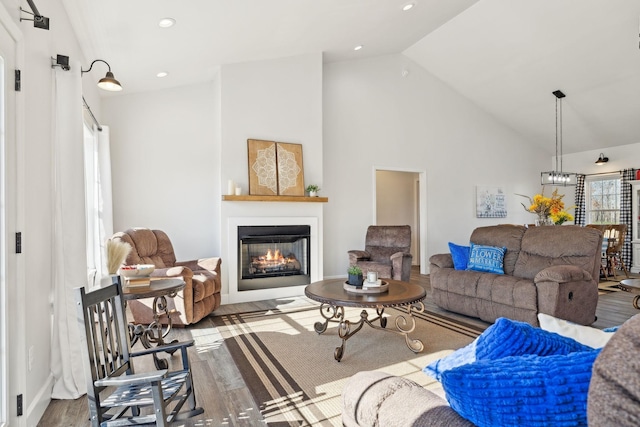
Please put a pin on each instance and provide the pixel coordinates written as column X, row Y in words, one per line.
column 558, row 177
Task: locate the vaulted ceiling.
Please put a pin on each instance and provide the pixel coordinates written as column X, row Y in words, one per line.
column 506, row 56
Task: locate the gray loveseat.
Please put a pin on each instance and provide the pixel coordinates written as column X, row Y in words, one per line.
column 550, row 269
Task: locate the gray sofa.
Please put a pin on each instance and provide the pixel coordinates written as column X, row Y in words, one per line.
column 373, row 398
column 550, row 269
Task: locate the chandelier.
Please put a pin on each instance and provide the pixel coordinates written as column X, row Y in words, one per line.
column 558, row 177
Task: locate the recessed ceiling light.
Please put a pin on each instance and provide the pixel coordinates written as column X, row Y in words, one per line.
column 167, row 22
column 358, row 47
column 162, row 74
column 408, row 6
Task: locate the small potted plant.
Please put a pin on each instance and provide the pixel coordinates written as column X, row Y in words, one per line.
column 312, row 189
column 355, row 275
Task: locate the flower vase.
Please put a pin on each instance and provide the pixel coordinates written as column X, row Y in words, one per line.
column 543, row 220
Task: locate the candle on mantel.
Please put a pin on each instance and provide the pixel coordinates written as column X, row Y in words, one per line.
column 231, row 189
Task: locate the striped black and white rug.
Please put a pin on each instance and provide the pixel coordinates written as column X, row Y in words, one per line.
column 291, row 371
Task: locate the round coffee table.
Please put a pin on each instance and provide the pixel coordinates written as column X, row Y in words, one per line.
column 335, row 298
column 633, row 286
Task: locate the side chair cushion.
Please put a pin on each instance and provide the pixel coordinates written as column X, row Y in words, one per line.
column 148, row 247
column 526, row 390
column 384, row 269
column 489, row 259
column 505, row 338
column 383, row 241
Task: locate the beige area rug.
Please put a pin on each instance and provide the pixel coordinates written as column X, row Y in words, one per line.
column 291, row 370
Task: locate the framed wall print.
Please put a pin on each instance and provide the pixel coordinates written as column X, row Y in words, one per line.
column 290, row 171
column 263, row 177
column 490, row 202
column 275, row 168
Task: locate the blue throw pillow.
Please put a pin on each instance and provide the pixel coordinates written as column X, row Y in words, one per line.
column 505, row 338
column 524, row 390
column 612, row 329
column 513, row 338
column 489, row 259
column 460, row 255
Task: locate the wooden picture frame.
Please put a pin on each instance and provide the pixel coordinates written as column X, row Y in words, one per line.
column 263, row 175
column 290, row 170
column 275, row 168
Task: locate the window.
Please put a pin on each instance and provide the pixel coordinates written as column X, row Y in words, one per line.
column 602, row 195
column 92, row 207
column 97, row 172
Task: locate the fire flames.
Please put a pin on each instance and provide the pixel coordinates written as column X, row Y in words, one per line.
column 273, row 261
column 274, row 256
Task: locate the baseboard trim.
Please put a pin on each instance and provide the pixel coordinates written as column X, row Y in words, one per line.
column 39, row 404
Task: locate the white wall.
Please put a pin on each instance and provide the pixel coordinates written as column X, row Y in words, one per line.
column 31, row 316
column 376, row 118
column 165, row 165
column 620, row 157
column 275, row 100
column 173, row 151
column 351, row 117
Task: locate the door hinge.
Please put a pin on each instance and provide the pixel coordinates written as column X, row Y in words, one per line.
column 19, row 405
column 18, row 84
column 19, row 242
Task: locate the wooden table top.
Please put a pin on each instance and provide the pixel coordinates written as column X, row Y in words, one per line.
column 157, row 288
column 331, row 291
column 630, row 285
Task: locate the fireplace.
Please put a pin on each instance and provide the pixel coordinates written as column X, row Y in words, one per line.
column 273, row 256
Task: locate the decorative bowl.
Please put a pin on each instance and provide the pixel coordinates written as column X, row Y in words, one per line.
column 137, row 270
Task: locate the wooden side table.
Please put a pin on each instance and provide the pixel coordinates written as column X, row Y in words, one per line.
column 154, row 333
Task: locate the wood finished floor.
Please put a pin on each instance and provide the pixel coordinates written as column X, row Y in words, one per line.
column 220, row 389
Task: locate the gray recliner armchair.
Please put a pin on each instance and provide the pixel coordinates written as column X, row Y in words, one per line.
column 387, row 252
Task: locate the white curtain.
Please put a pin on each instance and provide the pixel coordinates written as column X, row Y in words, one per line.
column 103, row 184
column 69, row 241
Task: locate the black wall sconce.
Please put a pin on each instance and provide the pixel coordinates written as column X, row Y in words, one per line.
column 602, row 160
column 61, row 61
column 108, row 82
column 39, row 21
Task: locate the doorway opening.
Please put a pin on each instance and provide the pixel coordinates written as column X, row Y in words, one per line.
column 400, row 197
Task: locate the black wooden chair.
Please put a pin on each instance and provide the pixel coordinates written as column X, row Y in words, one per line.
column 117, row 394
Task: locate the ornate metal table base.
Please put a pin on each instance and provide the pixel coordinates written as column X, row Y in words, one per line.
column 404, row 325
column 153, row 334
column 633, row 286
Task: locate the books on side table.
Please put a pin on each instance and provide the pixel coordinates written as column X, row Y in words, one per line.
column 368, row 284
column 137, row 282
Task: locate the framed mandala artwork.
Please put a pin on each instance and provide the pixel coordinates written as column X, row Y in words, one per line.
column 275, row 168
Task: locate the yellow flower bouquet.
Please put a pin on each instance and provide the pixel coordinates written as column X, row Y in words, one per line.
column 548, row 209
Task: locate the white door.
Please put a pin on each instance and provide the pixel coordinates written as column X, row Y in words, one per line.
column 9, row 211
